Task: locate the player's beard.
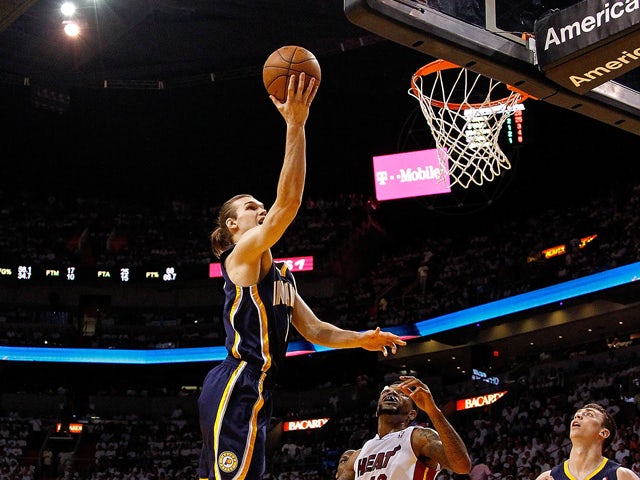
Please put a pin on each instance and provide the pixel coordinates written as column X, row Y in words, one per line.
column 385, row 409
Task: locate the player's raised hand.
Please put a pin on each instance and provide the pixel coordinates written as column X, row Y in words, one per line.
column 379, row 341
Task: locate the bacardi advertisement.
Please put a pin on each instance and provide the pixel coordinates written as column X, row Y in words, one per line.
column 313, row 423
column 479, row 401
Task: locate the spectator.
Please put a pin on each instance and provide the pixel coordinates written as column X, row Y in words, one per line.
column 480, row 470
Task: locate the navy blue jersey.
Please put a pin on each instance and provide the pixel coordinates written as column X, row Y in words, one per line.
column 257, row 318
column 235, row 403
column 605, row 471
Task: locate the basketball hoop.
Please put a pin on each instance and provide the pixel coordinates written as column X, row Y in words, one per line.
column 465, row 112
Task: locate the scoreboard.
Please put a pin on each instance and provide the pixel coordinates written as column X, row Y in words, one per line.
column 81, row 274
column 154, row 275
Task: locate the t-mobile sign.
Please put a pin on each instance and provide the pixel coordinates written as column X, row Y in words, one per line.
column 409, row 174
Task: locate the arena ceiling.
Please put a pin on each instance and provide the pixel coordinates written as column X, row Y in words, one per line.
column 133, row 42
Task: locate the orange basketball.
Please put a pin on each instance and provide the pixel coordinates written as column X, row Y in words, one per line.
column 283, row 63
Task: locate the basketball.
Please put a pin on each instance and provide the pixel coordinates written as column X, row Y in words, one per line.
column 283, row 63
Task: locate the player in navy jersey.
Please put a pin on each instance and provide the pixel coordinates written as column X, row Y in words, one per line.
column 592, row 432
column 261, row 306
column 404, row 451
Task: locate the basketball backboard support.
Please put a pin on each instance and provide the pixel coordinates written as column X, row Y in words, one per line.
column 504, row 54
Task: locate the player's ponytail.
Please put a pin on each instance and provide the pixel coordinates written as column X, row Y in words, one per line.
column 221, row 237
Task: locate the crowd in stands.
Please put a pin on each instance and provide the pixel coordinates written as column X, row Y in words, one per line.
column 382, row 275
column 377, row 282
column 520, row 435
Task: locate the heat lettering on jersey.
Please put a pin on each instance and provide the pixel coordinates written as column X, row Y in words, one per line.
column 284, row 293
column 376, row 461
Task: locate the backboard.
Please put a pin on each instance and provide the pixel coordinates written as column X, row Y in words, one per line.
column 497, row 38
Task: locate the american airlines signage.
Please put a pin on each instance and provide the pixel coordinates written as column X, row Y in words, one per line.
column 587, row 44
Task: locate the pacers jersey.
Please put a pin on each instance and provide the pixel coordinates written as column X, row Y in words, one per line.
column 605, row 471
column 236, row 400
column 391, row 458
column 257, row 318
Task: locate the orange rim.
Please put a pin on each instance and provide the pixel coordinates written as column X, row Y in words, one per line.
column 439, row 65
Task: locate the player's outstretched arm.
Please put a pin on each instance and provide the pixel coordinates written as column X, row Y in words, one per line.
column 255, row 241
column 295, row 111
column 328, row 335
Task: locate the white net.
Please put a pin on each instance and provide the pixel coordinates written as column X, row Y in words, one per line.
column 465, row 112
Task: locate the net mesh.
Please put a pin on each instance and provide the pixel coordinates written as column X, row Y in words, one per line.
column 465, row 112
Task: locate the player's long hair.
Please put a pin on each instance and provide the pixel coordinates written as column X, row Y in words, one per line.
column 221, row 237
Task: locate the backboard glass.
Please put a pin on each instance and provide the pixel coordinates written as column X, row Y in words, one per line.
column 495, row 38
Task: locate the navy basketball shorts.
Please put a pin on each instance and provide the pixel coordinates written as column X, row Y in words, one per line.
column 235, row 410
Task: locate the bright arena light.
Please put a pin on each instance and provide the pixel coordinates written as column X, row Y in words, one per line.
column 71, row 29
column 68, row 9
